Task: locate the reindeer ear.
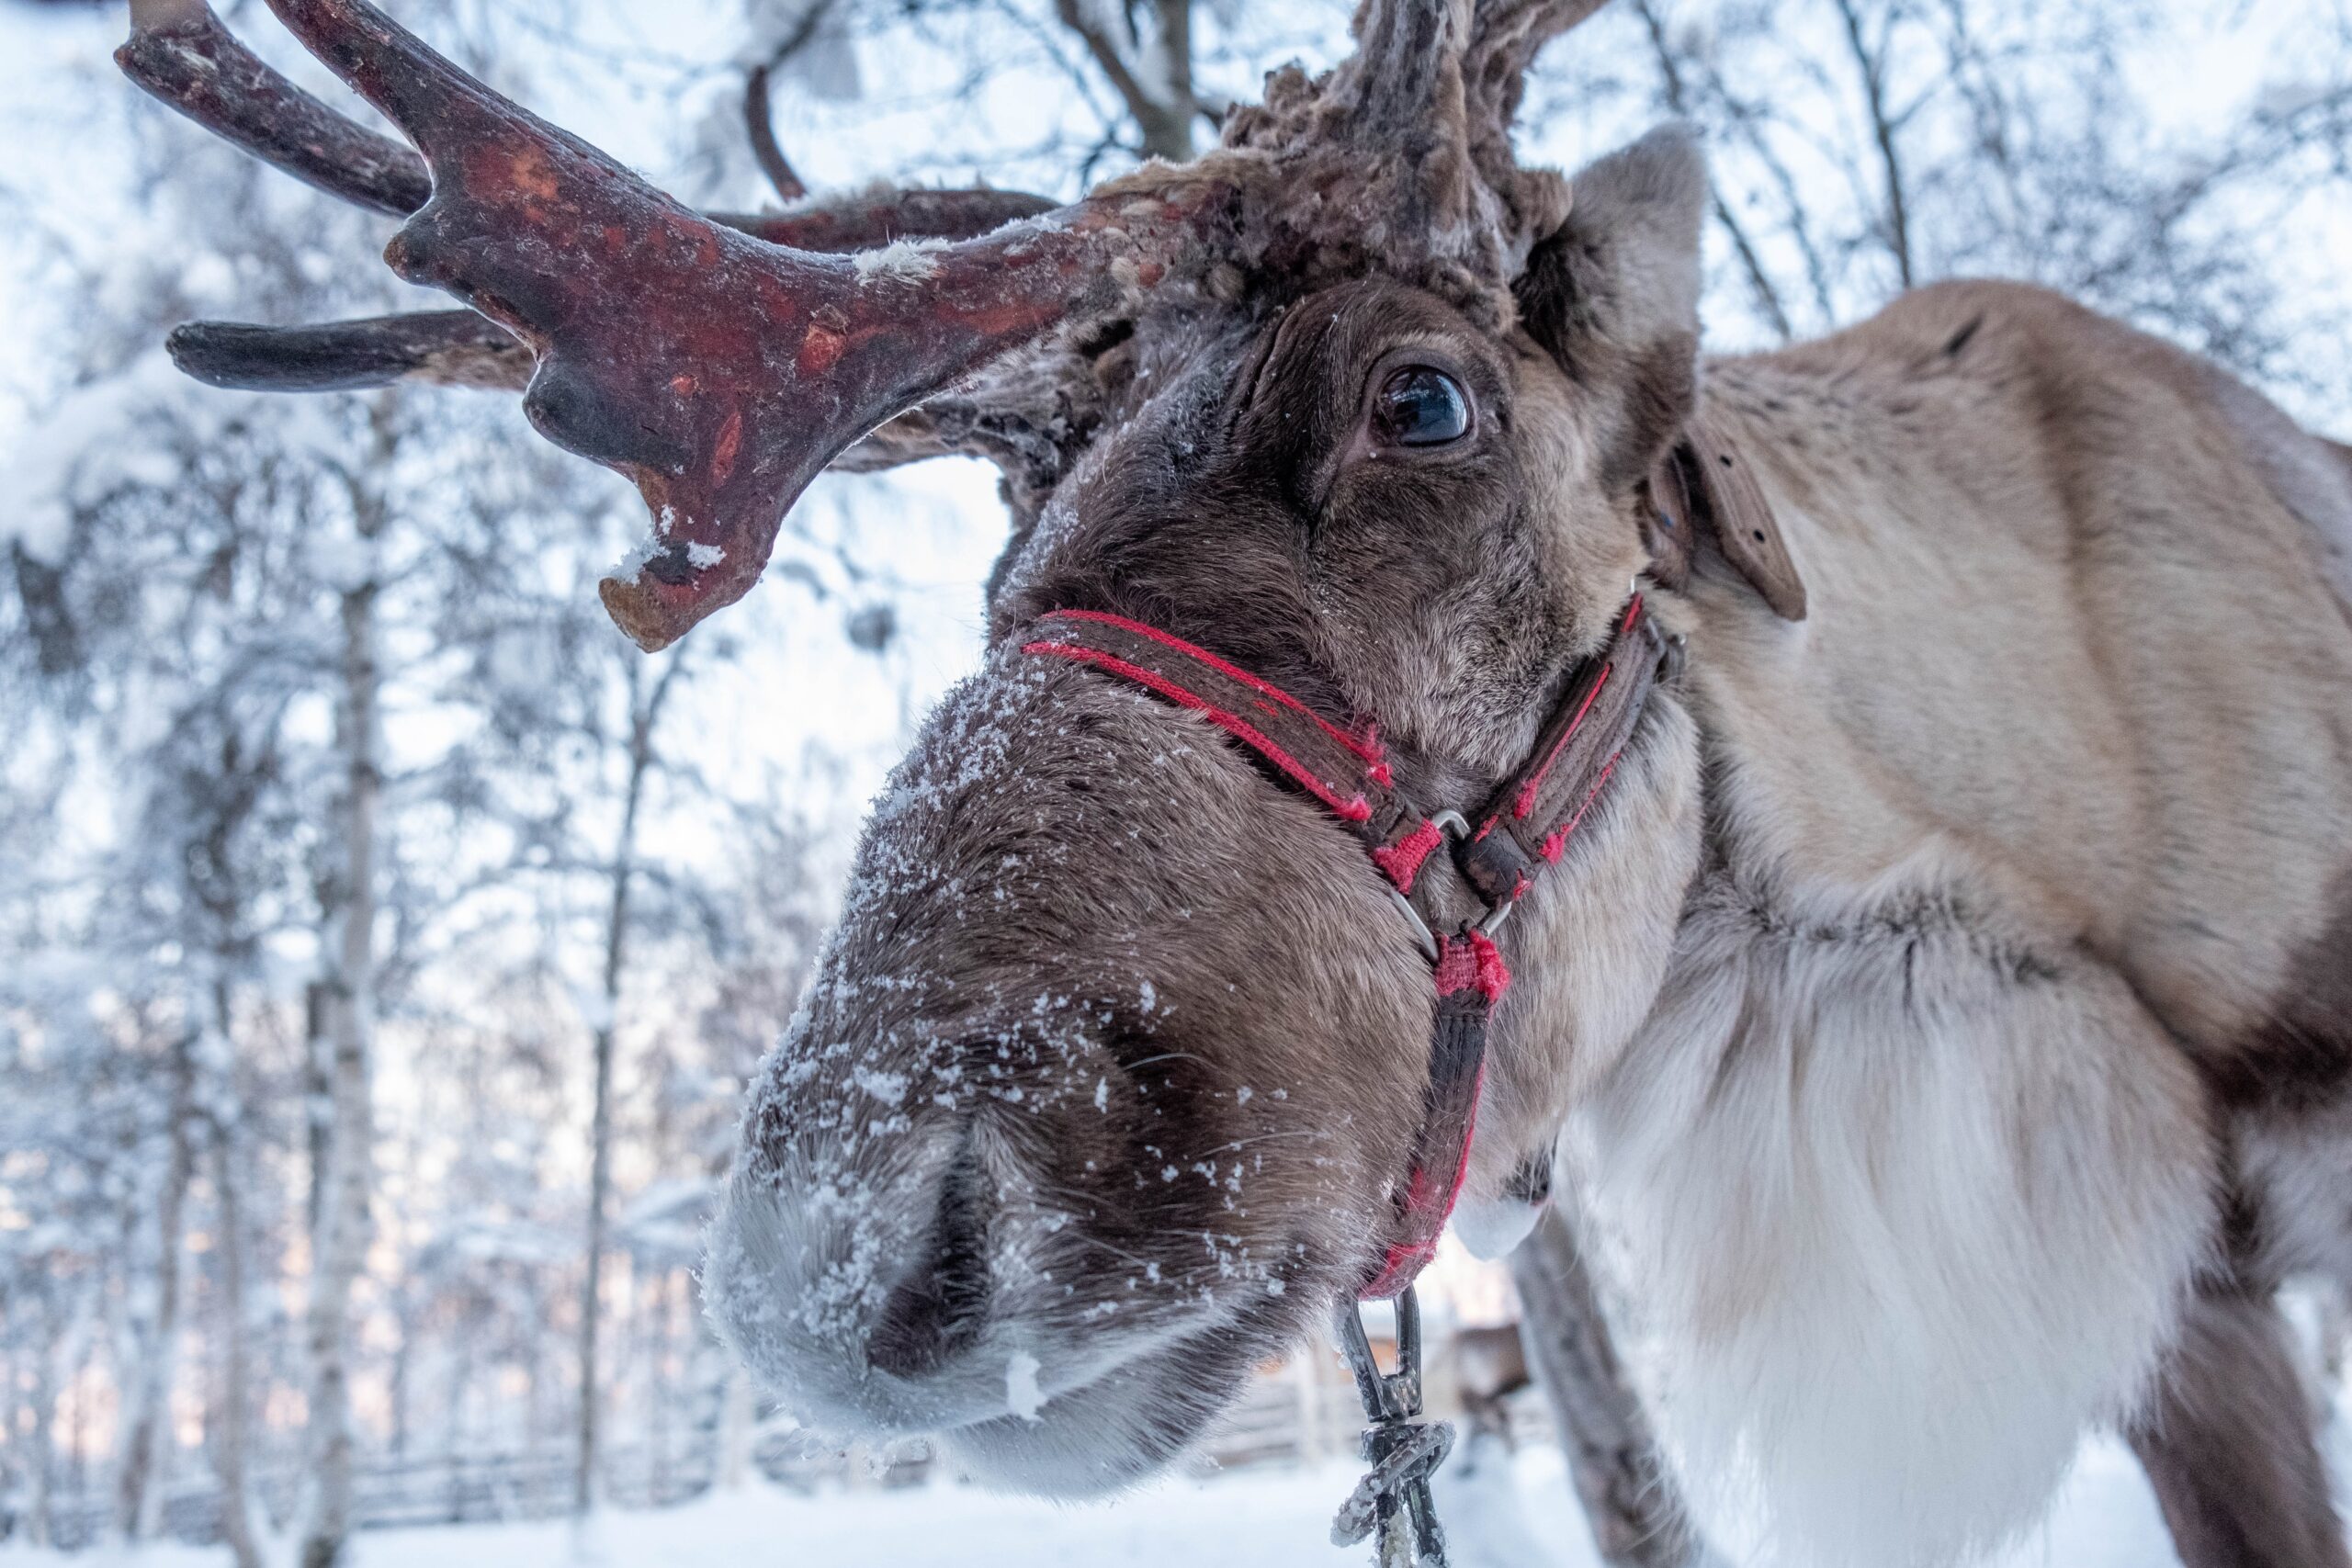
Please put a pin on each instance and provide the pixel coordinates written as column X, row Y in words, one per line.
column 1614, row 295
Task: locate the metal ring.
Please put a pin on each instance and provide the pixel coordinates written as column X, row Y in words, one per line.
column 1421, row 933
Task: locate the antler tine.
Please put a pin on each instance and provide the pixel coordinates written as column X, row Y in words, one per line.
column 719, row 372
column 459, row 348
column 1434, row 85
column 180, row 53
column 1505, row 37
column 1401, row 100
column 1404, row 51
column 450, row 348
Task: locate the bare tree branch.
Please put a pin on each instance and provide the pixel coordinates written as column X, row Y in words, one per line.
column 1872, row 63
column 1165, row 122
column 1677, row 98
column 759, row 123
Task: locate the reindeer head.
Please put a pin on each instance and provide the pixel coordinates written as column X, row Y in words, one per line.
column 1109, row 1077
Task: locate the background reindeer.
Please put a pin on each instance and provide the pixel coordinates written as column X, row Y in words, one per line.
column 1947, row 991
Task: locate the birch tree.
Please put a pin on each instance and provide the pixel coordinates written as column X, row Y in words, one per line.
column 648, row 695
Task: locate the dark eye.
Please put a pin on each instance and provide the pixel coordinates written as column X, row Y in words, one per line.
column 1420, row 407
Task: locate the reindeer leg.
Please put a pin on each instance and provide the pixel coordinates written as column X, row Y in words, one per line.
column 1629, row 1500
column 2227, row 1443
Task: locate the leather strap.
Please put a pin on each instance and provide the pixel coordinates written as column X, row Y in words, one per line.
column 1528, row 824
column 1531, row 817
column 1702, row 485
column 1346, row 769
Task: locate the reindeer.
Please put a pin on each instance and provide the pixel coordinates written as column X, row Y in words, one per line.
column 1916, row 768
column 1489, row 1366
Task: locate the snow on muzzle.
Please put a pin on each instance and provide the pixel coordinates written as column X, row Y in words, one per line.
column 1095, row 1102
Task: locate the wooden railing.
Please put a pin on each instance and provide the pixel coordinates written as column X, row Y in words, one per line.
column 1299, row 1413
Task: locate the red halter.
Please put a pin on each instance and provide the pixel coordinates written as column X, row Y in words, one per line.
column 1526, row 824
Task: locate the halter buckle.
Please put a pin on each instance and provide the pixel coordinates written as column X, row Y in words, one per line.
column 1454, row 826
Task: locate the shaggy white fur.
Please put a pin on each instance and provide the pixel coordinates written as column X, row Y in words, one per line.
column 1907, row 1204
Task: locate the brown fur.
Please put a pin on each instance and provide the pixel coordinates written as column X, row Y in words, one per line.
column 2228, row 1452
column 1114, row 1060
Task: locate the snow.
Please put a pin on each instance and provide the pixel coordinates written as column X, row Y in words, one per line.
column 128, row 430
column 906, row 261
column 632, row 562
column 1499, row 1511
column 1021, row 1391
column 89, row 441
column 890, row 1089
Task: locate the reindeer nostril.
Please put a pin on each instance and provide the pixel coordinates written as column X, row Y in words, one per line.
column 941, row 1304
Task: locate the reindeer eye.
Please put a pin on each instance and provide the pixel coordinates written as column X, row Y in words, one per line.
column 1421, row 407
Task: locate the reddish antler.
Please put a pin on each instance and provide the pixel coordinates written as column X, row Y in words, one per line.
column 719, row 371
column 179, row 51
column 459, row 348
column 721, row 362
column 181, row 54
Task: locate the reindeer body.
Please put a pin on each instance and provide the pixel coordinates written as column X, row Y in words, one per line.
column 1947, row 998
column 1998, row 1062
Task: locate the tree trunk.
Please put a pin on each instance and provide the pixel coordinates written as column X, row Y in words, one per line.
column 1153, row 75
column 231, row 1402
column 1167, row 133
column 737, row 1411
column 402, row 1354
column 318, row 1112
column 1629, row 1498
column 645, row 713
column 42, row 1461
column 600, row 1178
column 340, row 1237
column 148, row 1438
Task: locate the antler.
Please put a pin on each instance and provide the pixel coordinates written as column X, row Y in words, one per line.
column 719, row 371
column 180, row 53
column 721, row 362
column 449, row 348
column 1424, row 107
column 459, row 348
column 1505, row 37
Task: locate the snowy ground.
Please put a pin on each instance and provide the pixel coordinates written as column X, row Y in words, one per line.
column 1515, row 1517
